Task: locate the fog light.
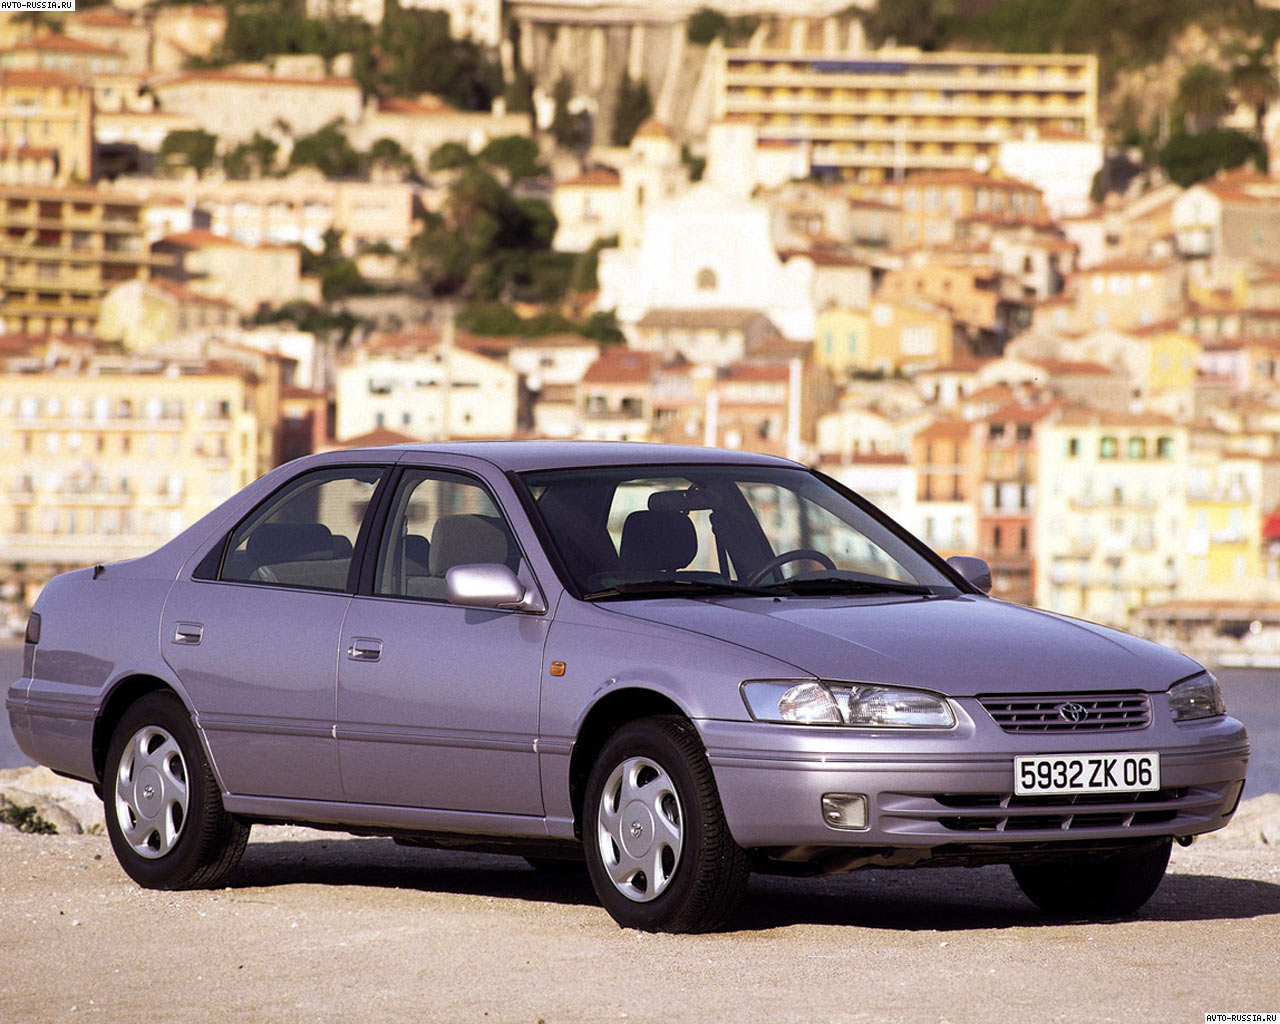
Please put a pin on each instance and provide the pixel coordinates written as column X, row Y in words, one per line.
column 845, row 810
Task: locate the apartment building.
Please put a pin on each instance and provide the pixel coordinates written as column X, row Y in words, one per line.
column 1223, row 549
column 935, row 205
column 65, row 54
column 616, row 396
column 60, row 250
column 46, row 117
column 1110, row 519
column 414, row 383
column 247, row 276
column 885, row 114
column 889, row 337
column 1228, row 226
column 105, row 457
column 944, row 456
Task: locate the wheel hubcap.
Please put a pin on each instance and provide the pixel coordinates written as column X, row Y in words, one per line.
column 151, row 792
column 640, row 829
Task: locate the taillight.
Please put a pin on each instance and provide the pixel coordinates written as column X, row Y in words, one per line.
column 33, row 628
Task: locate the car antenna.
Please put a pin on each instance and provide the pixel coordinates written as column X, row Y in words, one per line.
column 98, row 570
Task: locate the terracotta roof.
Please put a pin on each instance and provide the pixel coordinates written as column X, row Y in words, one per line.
column 375, row 438
column 203, row 239
column 621, row 366
column 1071, row 368
column 757, row 371
column 722, row 319
column 240, row 78
column 823, row 257
column 946, row 429
column 184, row 294
column 653, row 128
column 57, row 43
column 1083, row 416
column 29, row 152
column 1015, row 412
column 34, row 77
column 426, row 104
column 73, row 193
column 596, row 178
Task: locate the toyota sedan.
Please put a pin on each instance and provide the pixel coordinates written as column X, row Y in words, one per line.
column 678, row 665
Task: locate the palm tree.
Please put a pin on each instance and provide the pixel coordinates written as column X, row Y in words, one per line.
column 1203, row 97
column 1253, row 77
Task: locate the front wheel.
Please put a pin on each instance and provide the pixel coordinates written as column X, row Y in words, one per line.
column 164, row 813
column 1102, row 885
column 658, row 849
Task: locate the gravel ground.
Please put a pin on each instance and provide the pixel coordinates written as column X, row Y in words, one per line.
column 320, row 927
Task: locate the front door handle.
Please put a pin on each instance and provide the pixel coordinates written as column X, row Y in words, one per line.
column 364, row 649
column 190, row 633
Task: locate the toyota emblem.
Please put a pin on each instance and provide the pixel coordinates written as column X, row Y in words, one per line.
column 1073, row 712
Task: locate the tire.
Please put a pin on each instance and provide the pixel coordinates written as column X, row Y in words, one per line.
column 658, row 850
column 164, row 813
column 1101, row 886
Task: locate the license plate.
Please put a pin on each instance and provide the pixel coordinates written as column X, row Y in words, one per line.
column 1086, row 773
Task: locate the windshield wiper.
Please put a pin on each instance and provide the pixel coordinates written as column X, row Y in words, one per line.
column 677, row 588
column 836, row 585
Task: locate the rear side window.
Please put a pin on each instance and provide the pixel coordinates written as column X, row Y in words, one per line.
column 305, row 534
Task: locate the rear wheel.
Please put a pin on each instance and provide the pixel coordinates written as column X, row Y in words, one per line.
column 164, row 813
column 658, row 849
column 1112, row 885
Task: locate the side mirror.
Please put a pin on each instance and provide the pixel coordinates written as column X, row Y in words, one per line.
column 483, row 585
column 973, row 569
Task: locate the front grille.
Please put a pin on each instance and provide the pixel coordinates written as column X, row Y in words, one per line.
column 1069, row 712
column 1064, row 812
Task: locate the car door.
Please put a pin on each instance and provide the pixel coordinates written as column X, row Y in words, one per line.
column 438, row 703
column 253, row 634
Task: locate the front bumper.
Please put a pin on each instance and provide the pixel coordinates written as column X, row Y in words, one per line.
column 927, row 790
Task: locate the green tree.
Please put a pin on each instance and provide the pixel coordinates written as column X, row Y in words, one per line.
column 908, row 22
column 339, row 275
column 1203, row 97
column 251, row 159
column 328, row 150
column 450, row 156
column 516, row 156
column 1191, row 158
column 567, row 128
column 189, row 147
column 389, row 154
column 634, row 106
column 1253, row 78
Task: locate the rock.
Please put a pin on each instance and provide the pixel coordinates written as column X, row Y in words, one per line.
column 70, row 805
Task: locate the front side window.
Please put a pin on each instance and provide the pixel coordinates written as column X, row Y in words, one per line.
column 439, row 520
column 305, row 534
column 630, row 531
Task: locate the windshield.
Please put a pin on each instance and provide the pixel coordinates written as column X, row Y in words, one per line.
column 654, row 531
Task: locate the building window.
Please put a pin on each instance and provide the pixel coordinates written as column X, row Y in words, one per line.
column 1164, row 448
column 1108, row 448
column 706, row 280
column 1073, row 447
column 1137, row 447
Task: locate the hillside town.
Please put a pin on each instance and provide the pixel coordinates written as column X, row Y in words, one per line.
column 926, row 273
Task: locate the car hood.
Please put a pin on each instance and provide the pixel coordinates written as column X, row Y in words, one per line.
column 960, row 646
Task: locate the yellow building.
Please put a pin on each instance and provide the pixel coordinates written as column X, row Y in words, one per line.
column 60, row 250
column 104, row 457
column 873, row 115
column 1110, row 518
column 46, row 112
column 889, row 337
column 1223, row 548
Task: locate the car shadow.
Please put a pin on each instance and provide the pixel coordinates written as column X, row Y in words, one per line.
column 922, row 899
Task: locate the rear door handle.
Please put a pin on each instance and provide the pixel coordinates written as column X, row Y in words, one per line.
column 190, row 633
column 364, row 649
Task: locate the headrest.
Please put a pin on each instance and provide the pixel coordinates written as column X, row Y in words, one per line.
column 272, row 543
column 465, row 540
column 657, row 540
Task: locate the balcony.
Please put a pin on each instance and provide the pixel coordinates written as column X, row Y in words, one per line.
column 1118, row 503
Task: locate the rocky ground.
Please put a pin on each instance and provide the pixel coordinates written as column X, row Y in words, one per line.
column 319, row 927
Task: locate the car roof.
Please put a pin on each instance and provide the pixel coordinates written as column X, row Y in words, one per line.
column 521, row 456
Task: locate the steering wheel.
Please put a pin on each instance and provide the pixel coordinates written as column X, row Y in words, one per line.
column 794, row 555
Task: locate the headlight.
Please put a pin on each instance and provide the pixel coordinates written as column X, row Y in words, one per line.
column 1198, row 697
column 861, row 704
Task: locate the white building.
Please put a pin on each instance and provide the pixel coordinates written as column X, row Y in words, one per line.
column 421, row 392
column 1061, row 166
column 708, row 250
